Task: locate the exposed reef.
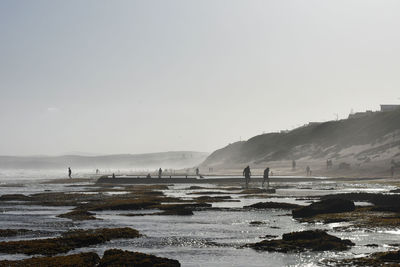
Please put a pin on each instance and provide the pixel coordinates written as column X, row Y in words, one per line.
column 314, row 240
column 273, row 205
column 68, row 241
column 116, row 257
column 389, row 258
column 111, row 258
column 331, row 205
column 89, row 259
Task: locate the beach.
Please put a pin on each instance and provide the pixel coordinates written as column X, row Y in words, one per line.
column 207, row 222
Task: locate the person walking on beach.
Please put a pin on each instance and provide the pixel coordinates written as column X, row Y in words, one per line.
column 247, row 174
column 159, row 173
column 308, row 171
column 69, row 172
column 266, row 177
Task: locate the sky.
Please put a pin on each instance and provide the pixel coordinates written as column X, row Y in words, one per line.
column 108, row 77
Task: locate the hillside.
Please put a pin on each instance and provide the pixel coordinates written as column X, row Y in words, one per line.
column 370, row 141
column 177, row 159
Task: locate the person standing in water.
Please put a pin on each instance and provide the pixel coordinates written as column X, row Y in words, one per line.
column 308, row 171
column 247, row 174
column 266, row 177
column 69, row 172
column 159, row 173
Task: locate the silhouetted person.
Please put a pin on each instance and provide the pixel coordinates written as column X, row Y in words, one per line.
column 159, row 173
column 392, row 171
column 113, row 175
column 197, row 172
column 266, row 177
column 148, row 176
column 308, row 170
column 69, row 172
column 247, row 174
column 293, row 164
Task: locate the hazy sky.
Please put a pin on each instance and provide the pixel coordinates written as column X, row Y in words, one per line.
column 146, row 76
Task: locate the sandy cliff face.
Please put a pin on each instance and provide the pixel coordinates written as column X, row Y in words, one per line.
column 360, row 146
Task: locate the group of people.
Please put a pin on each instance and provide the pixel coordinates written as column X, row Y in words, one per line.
column 247, row 175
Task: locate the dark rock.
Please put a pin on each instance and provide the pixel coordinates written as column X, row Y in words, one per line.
column 123, row 204
column 382, row 202
column 15, row 197
column 389, row 258
column 334, row 205
column 195, row 187
column 314, row 240
column 67, row 242
column 257, row 223
column 254, row 191
column 334, row 220
column 13, row 232
column 116, row 257
column 78, row 215
column 213, row 199
column 180, row 212
column 273, row 205
column 89, row 259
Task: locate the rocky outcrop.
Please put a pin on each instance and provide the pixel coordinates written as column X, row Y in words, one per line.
column 333, row 205
column 67, row 242
column 78, row 215
column 389, row 258
column 273, row 205
column 89, row 259
column 116, row 257
column 314, row 240
column 111, row 258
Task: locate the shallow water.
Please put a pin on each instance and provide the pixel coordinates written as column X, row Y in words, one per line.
column 209, row 237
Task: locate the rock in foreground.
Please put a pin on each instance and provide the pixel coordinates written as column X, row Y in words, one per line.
column 67, row 242
column 314, row 240
column 111, row 258
column 334, row 205
column 117, row 257
column 89, row 259
column 389, row 258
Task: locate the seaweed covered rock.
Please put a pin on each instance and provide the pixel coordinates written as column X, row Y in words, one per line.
column 15, row 197
column 178, row 211
column 83, row 259
column 117, row 257
column 254, row 191
column 123, row 204
column 78, row 215
column 331, row 205
column 314, row 240
column 388, row 258
column 13, row 232
column 67, row 242
column 273, row 205
column 382, row 202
